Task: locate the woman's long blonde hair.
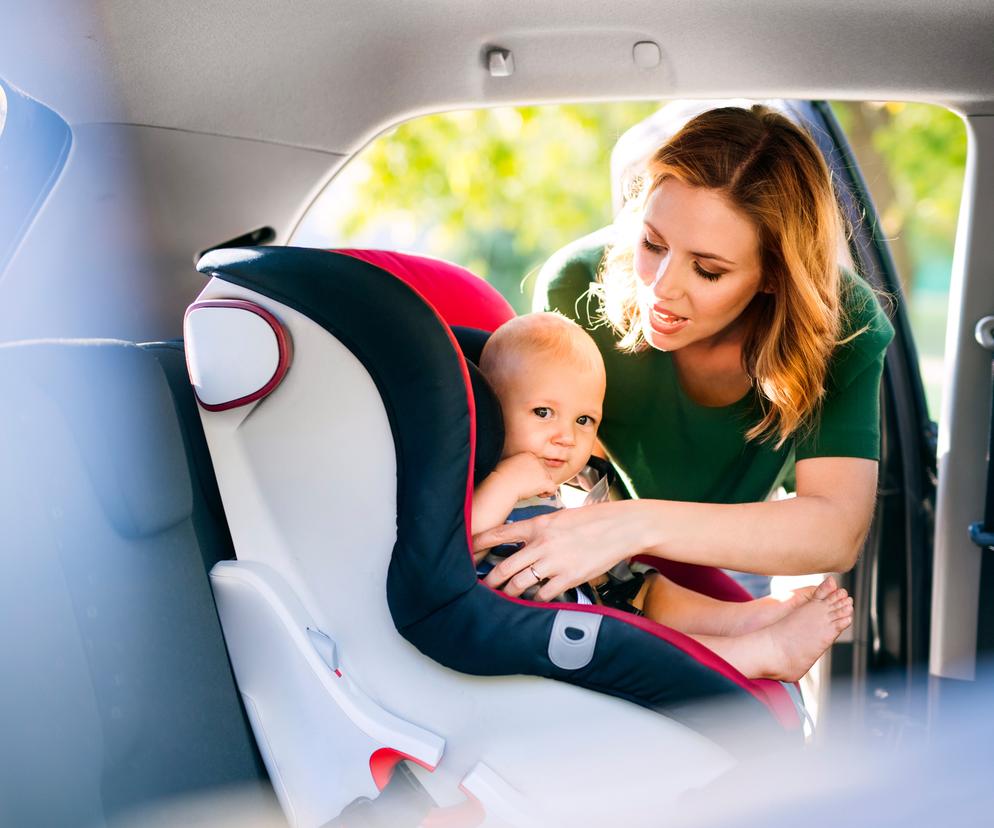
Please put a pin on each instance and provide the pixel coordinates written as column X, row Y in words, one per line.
column 770, row 171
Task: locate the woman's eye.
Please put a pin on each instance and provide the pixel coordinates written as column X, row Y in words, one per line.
column 654, row 248
column 542, row 412
column 706, row 274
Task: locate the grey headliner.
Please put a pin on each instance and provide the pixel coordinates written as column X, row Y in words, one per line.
column 328, row 75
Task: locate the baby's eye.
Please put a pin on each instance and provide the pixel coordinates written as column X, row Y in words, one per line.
column 542, row 412
column 584, row 419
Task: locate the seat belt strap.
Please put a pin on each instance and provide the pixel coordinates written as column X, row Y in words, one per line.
column 982, row 532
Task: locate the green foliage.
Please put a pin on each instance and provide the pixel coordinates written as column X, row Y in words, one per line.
column 496, row 190
column 913, row 157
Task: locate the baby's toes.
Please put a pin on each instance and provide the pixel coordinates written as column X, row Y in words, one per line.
column 841, row 612
column 840, row 602
column 826, row 588
column 836, row 596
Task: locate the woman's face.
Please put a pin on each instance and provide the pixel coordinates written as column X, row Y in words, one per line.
column 698, row 265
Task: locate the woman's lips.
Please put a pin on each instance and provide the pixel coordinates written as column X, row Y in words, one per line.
column 666, row 323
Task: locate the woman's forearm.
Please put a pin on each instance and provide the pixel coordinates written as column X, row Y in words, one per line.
column 800, row 535
column 820, row 530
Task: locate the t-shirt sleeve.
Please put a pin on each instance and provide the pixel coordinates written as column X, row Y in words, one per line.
column 564, row 280
column 849, row 425
column 849, row 421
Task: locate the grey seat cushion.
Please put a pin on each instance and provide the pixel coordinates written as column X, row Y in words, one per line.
column 117, row 690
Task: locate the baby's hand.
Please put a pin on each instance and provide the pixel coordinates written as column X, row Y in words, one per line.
column 527, row 475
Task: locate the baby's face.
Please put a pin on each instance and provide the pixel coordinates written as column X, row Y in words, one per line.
column 553, row 411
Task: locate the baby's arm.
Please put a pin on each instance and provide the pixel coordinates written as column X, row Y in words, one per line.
column 515, row 478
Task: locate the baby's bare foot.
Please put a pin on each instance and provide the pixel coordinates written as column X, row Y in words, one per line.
column 797, row 641
column 750, row 616
column 826, row 588
column 787, row 649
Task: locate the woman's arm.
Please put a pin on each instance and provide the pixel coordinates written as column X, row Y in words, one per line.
column 820, row 530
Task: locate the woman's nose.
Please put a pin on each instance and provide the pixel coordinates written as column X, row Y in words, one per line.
column 666, row 284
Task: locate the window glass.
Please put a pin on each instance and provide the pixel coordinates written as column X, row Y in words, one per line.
column 913, row 158
column 499, row 190
column 495, row 190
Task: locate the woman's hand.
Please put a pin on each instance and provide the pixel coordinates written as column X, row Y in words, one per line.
column 565, row 548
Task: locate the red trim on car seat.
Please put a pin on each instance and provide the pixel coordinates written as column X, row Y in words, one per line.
column 283, row 343
column 459, row 296
column 382, row 763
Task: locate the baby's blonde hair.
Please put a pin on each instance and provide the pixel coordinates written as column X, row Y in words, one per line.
column 548, row 334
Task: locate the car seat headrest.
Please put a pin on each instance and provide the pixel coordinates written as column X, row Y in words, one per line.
column 472, row 309
column 113, row 396
column 457, row 295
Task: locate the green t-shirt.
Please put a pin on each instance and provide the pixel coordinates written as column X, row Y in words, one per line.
column 669, row 447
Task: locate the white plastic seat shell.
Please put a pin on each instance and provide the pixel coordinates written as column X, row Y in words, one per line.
column 295, row 470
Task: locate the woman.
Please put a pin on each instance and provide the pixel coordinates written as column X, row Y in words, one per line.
column 732, row 342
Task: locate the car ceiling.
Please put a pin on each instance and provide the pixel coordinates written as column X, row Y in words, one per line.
column 329, row 75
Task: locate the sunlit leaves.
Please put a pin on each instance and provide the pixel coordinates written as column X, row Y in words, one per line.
column 497, row 190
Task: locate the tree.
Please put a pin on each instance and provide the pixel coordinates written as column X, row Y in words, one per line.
column 496, row 190
column 913, row 158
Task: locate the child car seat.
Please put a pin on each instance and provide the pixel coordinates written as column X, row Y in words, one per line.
column 342, row 424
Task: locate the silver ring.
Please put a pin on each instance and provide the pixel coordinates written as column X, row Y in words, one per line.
column 537, row 576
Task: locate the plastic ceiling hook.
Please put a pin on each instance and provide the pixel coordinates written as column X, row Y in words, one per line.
column 646, row 54
column 500, row 62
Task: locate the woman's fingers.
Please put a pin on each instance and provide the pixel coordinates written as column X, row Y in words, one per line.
column 513, row 573
column 565, row 548
column 520, row 582
column 552, row 588
column 520, row 532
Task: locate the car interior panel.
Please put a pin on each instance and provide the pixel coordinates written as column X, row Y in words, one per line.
column 236, row 556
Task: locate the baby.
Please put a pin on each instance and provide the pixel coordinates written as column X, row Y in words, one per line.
column 549, row 377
